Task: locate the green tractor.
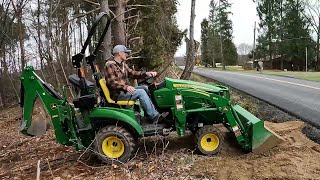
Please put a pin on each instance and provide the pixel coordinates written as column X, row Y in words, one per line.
column 114, row 127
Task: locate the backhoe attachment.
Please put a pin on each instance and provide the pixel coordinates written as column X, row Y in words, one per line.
column 33, row 122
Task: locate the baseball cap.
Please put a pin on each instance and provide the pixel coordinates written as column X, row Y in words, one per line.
column 121, row 48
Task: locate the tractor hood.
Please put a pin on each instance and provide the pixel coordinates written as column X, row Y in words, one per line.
column 177, row 83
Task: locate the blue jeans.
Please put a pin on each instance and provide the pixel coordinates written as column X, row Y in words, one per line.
column 141, row 93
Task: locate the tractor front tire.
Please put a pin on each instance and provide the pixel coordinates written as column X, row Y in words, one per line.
column 114, row 144
column 209, row 140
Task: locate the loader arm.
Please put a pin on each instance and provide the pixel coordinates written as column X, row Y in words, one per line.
column 249, row 131
column 217, row 103
column 196, row 104
column 59, row 110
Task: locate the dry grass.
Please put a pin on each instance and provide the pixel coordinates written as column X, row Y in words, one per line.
column 310, row 76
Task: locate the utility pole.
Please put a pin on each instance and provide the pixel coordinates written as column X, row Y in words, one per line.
column 281, row 35
column 306, row 59
column 254, row 41
column 318, row 46
column 270, row 32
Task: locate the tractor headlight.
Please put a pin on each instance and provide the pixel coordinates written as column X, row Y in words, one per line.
column 179, row 103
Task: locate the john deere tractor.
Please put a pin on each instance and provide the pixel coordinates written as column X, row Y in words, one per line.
column 114, row 127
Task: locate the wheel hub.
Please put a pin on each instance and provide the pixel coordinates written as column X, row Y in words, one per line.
column 209, row 142
column 113, row 147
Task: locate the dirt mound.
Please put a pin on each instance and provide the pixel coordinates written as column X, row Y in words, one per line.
column 169, row 158
column 295, row 158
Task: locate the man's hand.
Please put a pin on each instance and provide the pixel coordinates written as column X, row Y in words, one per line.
column 151, row 74
column 131, row 89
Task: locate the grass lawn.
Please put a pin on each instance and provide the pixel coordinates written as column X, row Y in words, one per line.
column 311, row 76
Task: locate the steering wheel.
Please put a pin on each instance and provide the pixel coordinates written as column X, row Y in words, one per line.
column 148, row 81
column 151, row 80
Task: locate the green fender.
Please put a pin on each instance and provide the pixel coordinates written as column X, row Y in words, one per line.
column 124, row 115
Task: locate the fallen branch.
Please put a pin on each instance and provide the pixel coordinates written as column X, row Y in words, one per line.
column 50, row 168
column 38, row 170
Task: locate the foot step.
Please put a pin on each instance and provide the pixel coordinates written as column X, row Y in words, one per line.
column 152, row 129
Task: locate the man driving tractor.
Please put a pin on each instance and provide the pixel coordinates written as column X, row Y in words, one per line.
column 117, row 74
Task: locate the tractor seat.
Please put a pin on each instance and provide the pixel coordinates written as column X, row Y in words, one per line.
column 106, row 93
column 75, row 80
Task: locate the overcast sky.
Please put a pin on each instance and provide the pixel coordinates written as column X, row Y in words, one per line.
column 244, row 15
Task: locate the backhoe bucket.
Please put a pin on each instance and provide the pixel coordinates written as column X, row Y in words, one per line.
column 40, row 120
column 261, row 138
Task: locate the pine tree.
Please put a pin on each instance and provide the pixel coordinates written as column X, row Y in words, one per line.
column 284, row 31
column 220, row 39
column 267, row 12
column 205, row 57
column 296, row 33
column 154, row 34
column 213, row 39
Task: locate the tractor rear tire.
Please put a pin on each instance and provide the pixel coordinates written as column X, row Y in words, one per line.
column 209, row 140
column 194, row 131
column 114, row 144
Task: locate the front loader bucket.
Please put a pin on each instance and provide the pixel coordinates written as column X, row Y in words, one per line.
column 260, row 137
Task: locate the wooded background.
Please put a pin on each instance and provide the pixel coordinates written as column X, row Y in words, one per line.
column 285, row 30
column 46, row 34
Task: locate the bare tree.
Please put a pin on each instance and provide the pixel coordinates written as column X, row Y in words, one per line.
column 191, row 47
column 119, row 25
column 50, row 43
column 314, row 19
column 244, row 48
column 106, row 46
column 18, row 6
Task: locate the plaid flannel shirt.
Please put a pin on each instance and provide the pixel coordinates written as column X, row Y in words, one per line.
column 117, row 77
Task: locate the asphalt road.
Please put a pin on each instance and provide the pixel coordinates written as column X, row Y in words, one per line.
column 300, row 98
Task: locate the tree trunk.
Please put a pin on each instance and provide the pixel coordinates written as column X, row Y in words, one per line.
column 119, row 25
column 213, row 55
column 221, row 45
column 21, row 38
column 106, row 45
column 191, row 48
column 213, row 62
column 221, row 52
column 40, row 42
column 64, row 37
column 1, row 101
column 18, row 12
column 3, row 71
column 49, row 44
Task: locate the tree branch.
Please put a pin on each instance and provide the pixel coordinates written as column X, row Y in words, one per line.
column 94, row 3
column 79, row 15
column 130, row 17
column 140, row 5
column 137, row 57
column 115, row 17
